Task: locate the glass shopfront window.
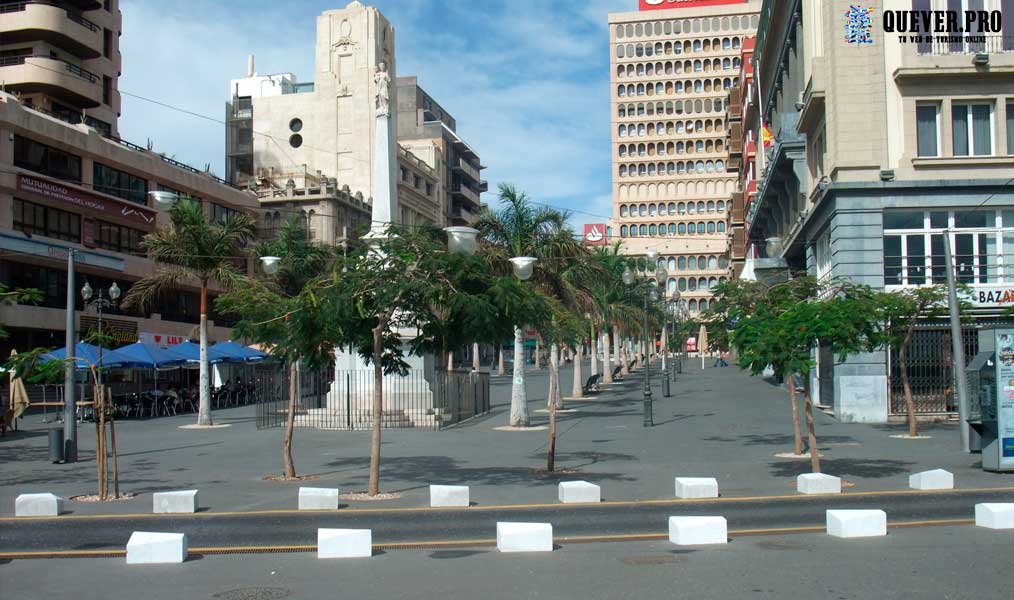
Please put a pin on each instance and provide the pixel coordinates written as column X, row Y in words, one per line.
column 982, row 242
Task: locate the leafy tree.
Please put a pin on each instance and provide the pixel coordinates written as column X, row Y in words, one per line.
column 194, row 247
column 900, row 312
column 18, row 296
column 276, row 313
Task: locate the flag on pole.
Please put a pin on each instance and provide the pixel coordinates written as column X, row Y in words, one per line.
column 766, row 136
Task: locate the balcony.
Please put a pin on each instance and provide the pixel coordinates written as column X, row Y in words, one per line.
column 467, row 169
column 483, row 186
column 54, row 77
column 459, row 191
column 25, row 22
column 990, row 56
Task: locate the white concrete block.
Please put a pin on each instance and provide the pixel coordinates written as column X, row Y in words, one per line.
column 344, row 543
column 38, row 505
column 148, row 547
column 818, row 483
column 856, row 523
column 937, row 479
column 524, row 537
column 693, row 531
column 995, row 515
column 696, row 487
column 183, row 501
column 572, row 492
column 318, row 498
column 449, row 495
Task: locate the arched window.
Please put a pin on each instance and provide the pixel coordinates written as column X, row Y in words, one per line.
column 692, row 305
column 642, row 210
column 651, row 210
column 711, row 227
column 623, row 170
column 698, row 86
column 642, row 230
column 623, row 149
column 670, row 168
column 642, row 170
column 698, row 66
column 721, row 206
column 735, row 42
column 640, row 89
column 697, row 45
column 712, row 282
column 681, row 284
column 700, row 228
column 672, row 229
column 639, row 50
column 681, row 208
column 726, row 43
column 702, row 284
column 691, row 228
column 671, row 264
column 623, row 207
column 703, row 305
column 700, row 207
column 653, row 229
column 619, row 51
column 672, row 208
column 712, row 263
column 679, row 168
column 642, row 130
column 723, row 263
column 662, row 210
column 691, row 208
column 692, row 263
column 700, row 166
column 681, row 263
column 721, row 227
column 682, row 228
column 651, row 168
column 692, row 286
column 621, row 111
column 670, row 285
column 623, row 231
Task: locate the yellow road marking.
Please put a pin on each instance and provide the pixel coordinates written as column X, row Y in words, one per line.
column 576, row 539
column 503, row 507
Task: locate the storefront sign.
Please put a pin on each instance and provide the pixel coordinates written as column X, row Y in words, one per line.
column 120, row 331
column 595, row 234
column 63, row 193
column 664, row 4
column 24, row 245
column 1005, row 397
column 161, row 340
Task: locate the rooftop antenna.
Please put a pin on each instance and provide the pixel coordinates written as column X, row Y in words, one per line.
column 250, row 66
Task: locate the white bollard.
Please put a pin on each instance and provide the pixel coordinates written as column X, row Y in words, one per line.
column 344, row 543
column 818, row 483
column 449, row 495
column 693, row 531
column 574, row 492
column 856, row 523
column 318, row 498
column 937, row 479
column 696, row 487
column 524, row 537
column 995, row 515
column 183, row 501
column 149, row 548
column 38, row 505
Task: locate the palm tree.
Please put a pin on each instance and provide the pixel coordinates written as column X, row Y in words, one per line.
column 193, row 247
column 520, row 229
column 618, row 309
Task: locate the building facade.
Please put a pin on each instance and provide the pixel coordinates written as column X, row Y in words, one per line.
column 66, row 187
column 670, row 75
column 881, row 147
column 292, row 141
column 64, row 58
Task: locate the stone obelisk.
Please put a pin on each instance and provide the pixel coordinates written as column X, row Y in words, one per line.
column 384, row 192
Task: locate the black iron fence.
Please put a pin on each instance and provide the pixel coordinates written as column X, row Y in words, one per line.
column 930, row 371
column 343, row 400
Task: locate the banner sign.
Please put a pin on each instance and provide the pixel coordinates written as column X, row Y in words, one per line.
column 122, row 332
column 1005, row 397
column 665, row 4
column 162, row 340
column 57, row 191
column 595, row 234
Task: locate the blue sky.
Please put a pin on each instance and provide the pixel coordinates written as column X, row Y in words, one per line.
column 527, row 80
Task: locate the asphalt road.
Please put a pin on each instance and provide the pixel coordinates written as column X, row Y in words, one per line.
column 421, row 526
column 954, row 563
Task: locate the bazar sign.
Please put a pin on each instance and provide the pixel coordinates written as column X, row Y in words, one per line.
column 996, row 296
column 80, row 198
column 665, row 4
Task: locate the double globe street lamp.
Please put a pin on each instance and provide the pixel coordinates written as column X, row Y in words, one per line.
column 650, row 297
column 102, row 302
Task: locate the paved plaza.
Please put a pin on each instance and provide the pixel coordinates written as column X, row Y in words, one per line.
column 719, row 422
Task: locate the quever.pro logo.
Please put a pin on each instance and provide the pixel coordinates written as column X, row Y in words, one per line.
column 859, row 25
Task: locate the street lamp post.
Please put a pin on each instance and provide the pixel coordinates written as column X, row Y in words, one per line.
column 69, row 404
column 650, row 296
column 101, row 303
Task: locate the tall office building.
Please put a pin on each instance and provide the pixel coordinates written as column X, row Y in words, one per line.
column 671, row 66
column 63, row 58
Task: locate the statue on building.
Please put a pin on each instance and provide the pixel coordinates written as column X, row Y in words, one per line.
column 383, row 81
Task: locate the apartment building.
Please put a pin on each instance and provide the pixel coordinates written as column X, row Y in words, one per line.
column 882, row 146
column 671, row 68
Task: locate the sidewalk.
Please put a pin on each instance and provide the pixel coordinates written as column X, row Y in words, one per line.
column 719, row 423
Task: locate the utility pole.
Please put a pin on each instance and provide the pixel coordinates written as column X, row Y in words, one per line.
column 69, row 405
column 957, row 343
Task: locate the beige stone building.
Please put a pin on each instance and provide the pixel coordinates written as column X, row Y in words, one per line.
column 882, row 147
column 670, row 72
column 64, row 58
column 307, row 147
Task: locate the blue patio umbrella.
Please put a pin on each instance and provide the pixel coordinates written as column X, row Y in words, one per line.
column 237, row 352
column 151, row 356
column 87, row 355
column 191, row 353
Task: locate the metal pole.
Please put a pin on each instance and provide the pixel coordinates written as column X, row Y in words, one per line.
column 648, row 420
column 957, row 343
column 69, row 405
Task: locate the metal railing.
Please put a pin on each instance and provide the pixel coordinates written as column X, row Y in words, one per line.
column 73, row 16
column 68, row 66
column 343, row 400
column 968, row 44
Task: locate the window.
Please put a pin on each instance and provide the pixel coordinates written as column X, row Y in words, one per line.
column 914, row 247
column 220, row 213
column 429, row 189
column 296, row 125
column 120, row 184
column 295, row 140
column 971, row 129
column 927, row 129
column 416, row 181
column 1010, row 126
column 36, row 219
column 31, row 155
column 118, row 238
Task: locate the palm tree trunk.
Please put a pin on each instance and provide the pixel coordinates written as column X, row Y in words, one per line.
column 913, row 425
column 607, row 363
column 594, row 341
column 811, row 435
column 378, row 407
column 538, row 353
column 554, row 399
column 576, row 390
column 290, row 422
column 450, row 361
column 500, row 367
column 204, row 410
column 797, row 436
column 519, row 399
column 624, row 359
column 475, row 356
column 617, row 346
